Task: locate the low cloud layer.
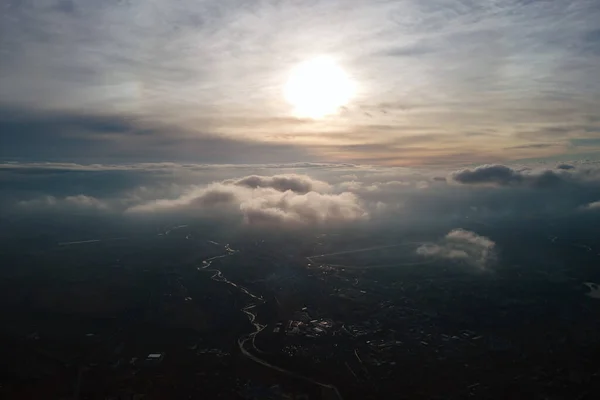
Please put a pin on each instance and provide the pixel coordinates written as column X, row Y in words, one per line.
column 461, row 245
column 306, row 193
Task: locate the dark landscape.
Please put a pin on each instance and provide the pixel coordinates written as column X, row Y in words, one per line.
column 81, row 319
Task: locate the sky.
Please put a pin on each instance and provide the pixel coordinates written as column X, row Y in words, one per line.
column 433, row 82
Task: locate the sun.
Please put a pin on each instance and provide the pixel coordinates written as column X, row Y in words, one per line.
column 317, row 88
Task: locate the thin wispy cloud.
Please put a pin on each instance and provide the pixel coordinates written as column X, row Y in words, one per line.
column 190, row 71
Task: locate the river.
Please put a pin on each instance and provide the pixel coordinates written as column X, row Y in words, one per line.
column 248, row 310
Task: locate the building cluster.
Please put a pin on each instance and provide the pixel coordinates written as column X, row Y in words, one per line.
column 303, row 324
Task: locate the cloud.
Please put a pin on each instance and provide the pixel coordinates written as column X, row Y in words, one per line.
column 534, row 146
column 302, row 193
column 593, row 206
column 583, row 142
column 594, row 290
column 73, row 137
column 311, row 208
column 501, row 175
column 565, row 166
column 203, row 78
column 434, row 250
column 68, row 203
column 463, row 245
column 462, row 235
column 29, row 167
column 488, row 174
column 263, row 200
column 282, row 183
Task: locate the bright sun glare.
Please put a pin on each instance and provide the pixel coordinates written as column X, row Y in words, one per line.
column 317, row 88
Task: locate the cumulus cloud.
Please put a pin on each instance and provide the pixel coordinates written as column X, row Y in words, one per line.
column 261, row 199
column 460, row 244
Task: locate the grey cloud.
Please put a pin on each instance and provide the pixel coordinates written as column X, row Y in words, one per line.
column 387, row 195
column 591, row 42
column 282, row 183
column 551, row 131
column 545, row 179
column 501, row 175
column 105, row 138
column 31, row 167
column 192, row 199
column 68, row 203
column 460, row 244
column 213, row 198
column 584, row 142
column 267, row 216
column 595, row 206
column 434, row 250
column 534, row 146
column 565, row 166
column 408, row 51
column 486, row 174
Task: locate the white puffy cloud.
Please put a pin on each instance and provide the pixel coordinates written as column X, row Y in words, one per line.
column 260, row 199
column 460, row 244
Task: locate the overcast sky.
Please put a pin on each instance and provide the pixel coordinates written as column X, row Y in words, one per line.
column 436, row 81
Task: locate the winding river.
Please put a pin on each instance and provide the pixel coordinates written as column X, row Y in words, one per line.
column 248, row 340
